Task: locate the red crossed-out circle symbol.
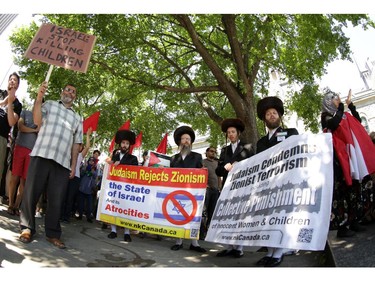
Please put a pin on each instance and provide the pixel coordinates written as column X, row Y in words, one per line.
column 171, row 197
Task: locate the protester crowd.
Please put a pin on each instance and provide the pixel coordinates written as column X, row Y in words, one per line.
column 48, row 171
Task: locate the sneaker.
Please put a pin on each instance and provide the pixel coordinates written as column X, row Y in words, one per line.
column 38, row 215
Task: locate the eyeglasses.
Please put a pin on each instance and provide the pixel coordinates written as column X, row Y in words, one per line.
column 69, row 90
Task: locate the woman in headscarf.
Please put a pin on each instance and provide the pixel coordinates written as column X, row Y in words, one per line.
column 352, row 163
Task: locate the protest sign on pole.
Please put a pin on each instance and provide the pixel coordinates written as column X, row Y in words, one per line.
column 279, row 198
column 61, row 47
column 163, row 201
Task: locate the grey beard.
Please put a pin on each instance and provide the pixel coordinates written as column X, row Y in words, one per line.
column 185, row 149
column 66, row 100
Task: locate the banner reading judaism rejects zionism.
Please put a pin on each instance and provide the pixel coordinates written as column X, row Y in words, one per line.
column 278, row 198
column 164, row 201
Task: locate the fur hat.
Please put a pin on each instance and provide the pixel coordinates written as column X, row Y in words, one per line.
column 125, row 135
column 267, row 103
column 181, row 131
column 232, row 122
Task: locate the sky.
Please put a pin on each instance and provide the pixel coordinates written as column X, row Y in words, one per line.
column 341, row 75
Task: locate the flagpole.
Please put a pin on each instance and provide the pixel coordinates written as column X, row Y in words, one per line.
column 93, row 142
column 49, row 72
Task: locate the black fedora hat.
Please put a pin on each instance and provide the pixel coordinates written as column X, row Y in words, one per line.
column 125, row 135
column 232, row 122
column 267, row 103
column 181, row 131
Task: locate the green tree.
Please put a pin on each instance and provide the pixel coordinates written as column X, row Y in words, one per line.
column 162, row 70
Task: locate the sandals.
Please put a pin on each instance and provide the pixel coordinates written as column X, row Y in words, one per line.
column 25, row 236
column 56, row 242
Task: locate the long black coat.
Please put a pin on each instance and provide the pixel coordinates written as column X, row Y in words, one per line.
column 265, row 143
column 242, row 152
column 127, row 159
column 192, row 160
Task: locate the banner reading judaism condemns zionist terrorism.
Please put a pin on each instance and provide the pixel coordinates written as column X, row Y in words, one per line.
column 280, row 197
column 163, row 201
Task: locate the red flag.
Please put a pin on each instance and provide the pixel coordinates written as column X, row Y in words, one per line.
column 91, row 121
column 125, row 126
column 138, row 140
column 162, row 147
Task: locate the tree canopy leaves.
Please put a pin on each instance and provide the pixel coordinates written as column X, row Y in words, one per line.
column 163, row 70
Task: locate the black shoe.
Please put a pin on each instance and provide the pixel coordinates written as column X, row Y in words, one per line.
column 237, row 254
column 273, row 262
column 263, row 261
column 79, row 218
column 197, row 249
column 89, row 220
column 357, row 227
column 127, row 238
column 112, row 235
column 176, row 247
column 226, row 252
column 263, row 249
column 344, row 232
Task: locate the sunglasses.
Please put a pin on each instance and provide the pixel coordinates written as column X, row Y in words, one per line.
column 69, row 90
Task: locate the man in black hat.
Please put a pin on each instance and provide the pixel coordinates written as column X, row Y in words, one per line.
column 229, row 155
column 270, row 110
column 184, row 137
column 124, row 138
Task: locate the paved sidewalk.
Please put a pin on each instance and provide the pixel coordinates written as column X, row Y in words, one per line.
column 356, row 251
column 88, row 246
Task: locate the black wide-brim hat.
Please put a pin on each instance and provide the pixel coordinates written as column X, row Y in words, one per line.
column 232, row 122
column 267, row 103
column 181, row 131
column 125, row 135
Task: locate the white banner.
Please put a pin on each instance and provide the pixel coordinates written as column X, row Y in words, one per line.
column 278, row 198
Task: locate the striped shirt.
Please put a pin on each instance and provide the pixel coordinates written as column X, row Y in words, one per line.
column 61, row 128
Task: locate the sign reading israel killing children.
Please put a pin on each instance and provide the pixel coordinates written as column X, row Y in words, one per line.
column 157, row 200
column 62, row 47
column 279, row 198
